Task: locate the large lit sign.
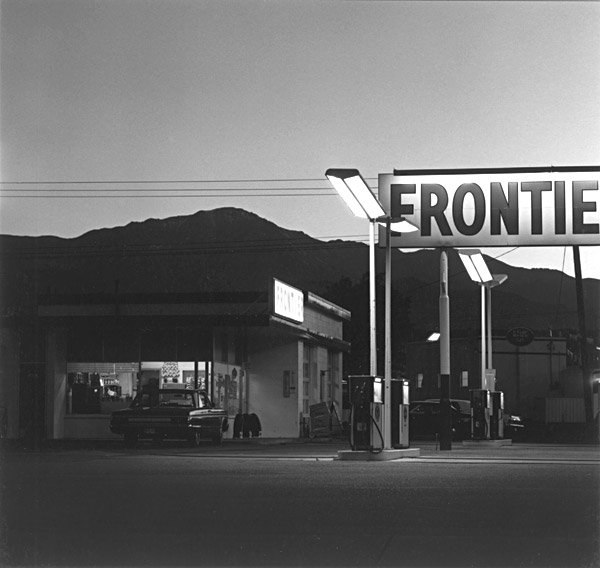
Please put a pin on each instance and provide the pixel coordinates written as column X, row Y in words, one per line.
column 499, row 208
column 288, row 302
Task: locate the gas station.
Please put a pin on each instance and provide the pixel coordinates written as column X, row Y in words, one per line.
column 466, row 209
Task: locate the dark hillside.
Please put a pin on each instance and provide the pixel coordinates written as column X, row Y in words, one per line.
column 230, row 249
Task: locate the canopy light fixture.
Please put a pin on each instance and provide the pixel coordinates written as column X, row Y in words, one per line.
column 355, row 192
column 475, row 265
column 401, row 225
column 497, row 279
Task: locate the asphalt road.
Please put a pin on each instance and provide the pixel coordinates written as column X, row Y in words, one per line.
column 296, row 505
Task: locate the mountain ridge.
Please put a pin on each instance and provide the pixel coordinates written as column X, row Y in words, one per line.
column 233, row 249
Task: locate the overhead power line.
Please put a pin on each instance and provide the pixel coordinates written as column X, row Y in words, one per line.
column 208, row 188
column 150, row 182
column 170, row 196
column 158, row 190
column 176, row 189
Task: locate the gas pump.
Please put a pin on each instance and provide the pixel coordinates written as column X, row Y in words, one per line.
column 366, row 420
column 400, row 414
column 497, row 415
column 480, row 414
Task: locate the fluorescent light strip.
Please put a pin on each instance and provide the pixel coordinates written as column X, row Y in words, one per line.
column 403, row 227
column 470, row 267
column 484, row 273
column 348, row 197
column 365, row 197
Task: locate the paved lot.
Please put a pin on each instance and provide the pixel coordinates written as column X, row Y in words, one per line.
column 268, row 503
column 328, row 449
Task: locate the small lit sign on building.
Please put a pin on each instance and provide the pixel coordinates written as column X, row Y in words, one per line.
column 551, row 206
column 520, row 336
column 288, row 302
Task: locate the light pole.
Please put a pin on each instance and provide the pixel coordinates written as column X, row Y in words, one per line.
column 355, row 192
column 497, row 279
column 479, row 273
column 357, row 195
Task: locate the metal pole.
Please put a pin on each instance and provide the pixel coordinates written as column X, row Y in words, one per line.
column 483, row 384
column 489, row 327
column 372, row 301
column 444, row 309
column 387, row 408
column 585, row 371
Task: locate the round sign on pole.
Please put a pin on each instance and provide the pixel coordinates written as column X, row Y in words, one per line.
column 520, row 336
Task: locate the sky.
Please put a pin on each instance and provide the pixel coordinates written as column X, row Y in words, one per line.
column 120, row 111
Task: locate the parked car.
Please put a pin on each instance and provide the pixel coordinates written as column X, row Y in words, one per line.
column 425, row 420
column 173, row 413
column 514, row 426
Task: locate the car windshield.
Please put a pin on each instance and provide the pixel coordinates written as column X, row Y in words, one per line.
column 463, row 406
column 152, row 399
column 176, row 399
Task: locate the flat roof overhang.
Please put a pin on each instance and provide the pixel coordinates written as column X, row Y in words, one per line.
column 303, row 333
column 214, row 308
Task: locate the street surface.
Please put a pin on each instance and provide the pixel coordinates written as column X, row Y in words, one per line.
column 250, row 503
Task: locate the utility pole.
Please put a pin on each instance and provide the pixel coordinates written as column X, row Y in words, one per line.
column 587, row 386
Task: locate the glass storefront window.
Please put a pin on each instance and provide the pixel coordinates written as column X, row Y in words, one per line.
column 102, row 388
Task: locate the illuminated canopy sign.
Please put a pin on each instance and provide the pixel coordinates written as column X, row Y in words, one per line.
column 288, row 302
column 503, row 207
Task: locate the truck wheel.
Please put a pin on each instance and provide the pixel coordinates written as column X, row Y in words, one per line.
column 130, row 440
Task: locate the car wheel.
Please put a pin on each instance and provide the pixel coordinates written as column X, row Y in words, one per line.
column 218, row 438
column 130, row 440
column 195, row 438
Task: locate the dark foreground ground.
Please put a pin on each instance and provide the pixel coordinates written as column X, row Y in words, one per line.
column 268, row 503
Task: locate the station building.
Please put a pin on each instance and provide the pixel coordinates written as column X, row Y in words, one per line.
column 272, row 353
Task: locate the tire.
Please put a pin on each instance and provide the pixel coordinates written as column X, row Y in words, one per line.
column 217, row 439
column 130, row 440
column 195, row 438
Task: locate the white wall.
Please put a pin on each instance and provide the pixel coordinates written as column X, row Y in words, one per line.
column 89, row 427
column 269, row 355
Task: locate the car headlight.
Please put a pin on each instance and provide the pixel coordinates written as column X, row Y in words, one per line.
column 515, row 418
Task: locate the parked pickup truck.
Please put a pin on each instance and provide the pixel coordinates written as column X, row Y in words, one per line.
column 182, row 414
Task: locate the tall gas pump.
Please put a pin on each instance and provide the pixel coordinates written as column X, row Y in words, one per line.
column 497, row 415
column 480, row 414
column 367, row 412
column 400, row 414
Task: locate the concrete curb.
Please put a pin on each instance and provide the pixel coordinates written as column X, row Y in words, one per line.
column 384, row 455
column 486, row 443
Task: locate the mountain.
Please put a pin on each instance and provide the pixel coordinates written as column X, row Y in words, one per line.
column 230, row 249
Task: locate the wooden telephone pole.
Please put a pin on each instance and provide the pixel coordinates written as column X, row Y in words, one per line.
column 585, row 371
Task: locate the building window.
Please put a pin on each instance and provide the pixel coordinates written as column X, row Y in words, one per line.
column 101, row 388
column 309, row 376
column 464, row 378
